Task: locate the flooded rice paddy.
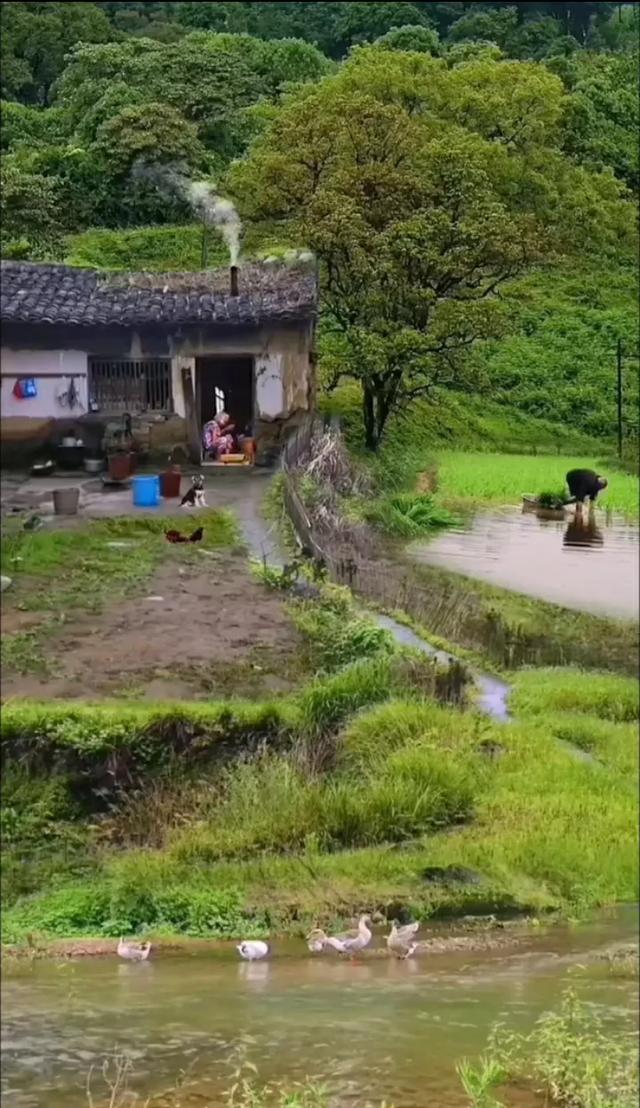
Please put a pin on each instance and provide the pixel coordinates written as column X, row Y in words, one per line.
column 370, row 1030
column 589, row 563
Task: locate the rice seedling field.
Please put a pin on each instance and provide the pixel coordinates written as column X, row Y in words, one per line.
column 477, row 478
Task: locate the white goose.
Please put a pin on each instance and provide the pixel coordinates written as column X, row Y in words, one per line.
column 400, row 940
column 350, row 942
column 252, row 950
column 134, row 952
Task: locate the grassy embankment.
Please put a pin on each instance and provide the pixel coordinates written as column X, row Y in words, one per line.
column 136, row 819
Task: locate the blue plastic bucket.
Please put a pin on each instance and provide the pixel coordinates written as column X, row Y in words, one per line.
column 146, row 492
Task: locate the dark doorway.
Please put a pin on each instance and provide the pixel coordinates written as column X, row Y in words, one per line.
column 225, row 383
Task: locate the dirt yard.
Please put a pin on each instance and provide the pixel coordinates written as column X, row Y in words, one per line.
column 195, row 632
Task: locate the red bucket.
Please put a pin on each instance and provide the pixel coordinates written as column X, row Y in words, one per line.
column 170, row 485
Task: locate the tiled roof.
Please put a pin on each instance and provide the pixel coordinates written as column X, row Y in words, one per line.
column 33, row 293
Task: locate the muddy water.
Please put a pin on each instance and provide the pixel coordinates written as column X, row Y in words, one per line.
column 589, row 564
column 368, row 1030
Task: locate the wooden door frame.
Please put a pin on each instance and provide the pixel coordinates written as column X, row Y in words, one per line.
column 247, row 356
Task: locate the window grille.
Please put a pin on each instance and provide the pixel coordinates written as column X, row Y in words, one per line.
column 130, row 386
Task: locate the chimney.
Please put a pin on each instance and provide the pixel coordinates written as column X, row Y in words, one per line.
column 233, row 274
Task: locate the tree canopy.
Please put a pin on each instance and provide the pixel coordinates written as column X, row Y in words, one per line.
column 422, row 189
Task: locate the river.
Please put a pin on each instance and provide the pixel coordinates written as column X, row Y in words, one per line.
column 590, row 565
column 369, row 1030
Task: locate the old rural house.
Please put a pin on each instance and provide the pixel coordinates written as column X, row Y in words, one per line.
column 171, row 350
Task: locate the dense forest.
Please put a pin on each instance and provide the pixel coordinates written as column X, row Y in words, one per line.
column 465, row 173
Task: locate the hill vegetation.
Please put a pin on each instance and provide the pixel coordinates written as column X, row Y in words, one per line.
column 477, row 159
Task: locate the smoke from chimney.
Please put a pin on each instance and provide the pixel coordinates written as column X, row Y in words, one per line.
column 213, row 210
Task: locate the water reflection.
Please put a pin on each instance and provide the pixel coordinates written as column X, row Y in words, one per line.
column 544, row 558
column 359, row 1027
column 582, row 530
column 255, row 974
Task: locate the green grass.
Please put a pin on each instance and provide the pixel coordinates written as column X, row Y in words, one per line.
column 273, row 805
column 603, row 695
column 22, row 651
column 559, row 361
column 451, row 421
column 58, row 571
column 336, row 633
column 471, row 479
column 78, row 568
column 273, row 844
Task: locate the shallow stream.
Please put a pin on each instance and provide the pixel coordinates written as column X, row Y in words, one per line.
column 370, row 1030
column 590, row 564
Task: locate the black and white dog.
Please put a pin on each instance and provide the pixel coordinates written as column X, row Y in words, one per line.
column 194, row 498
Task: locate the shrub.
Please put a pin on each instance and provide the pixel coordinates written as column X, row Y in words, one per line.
column 370, row 738
column 575, row 1057
column 337, row 638
column 272, row 805
column 409, row 515
column 74, row 910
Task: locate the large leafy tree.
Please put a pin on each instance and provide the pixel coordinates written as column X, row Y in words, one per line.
column 197, row 76
column 30, row 211
column 422, row 189
column 36, row 37
column 209, row 78
column 601, row 115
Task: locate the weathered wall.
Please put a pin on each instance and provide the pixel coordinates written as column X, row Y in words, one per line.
column 283, row 382
column 284, row 385
column 46, row 366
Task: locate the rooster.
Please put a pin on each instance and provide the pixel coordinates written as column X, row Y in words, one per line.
column 177, row 536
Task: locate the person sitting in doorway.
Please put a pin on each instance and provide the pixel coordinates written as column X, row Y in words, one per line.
column 217, row 436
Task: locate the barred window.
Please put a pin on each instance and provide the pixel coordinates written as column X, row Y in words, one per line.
column 118, row 385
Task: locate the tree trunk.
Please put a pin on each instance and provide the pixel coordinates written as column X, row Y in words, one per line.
column 376, row 406
column 369, row 417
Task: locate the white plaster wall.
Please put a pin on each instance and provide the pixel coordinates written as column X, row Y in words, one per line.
column 176, row 382
column 270, row 400
column 41, row 364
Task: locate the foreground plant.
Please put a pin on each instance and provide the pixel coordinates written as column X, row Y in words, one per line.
column 479, row 1081
column 572, row 1057
column 245, row 1089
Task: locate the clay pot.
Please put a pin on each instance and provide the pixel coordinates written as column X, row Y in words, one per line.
column 119, row 466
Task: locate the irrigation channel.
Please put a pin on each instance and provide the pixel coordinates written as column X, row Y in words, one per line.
column 368, row 1030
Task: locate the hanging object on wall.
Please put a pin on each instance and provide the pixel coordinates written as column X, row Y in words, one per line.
column 70, row 398
column 25, row 388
